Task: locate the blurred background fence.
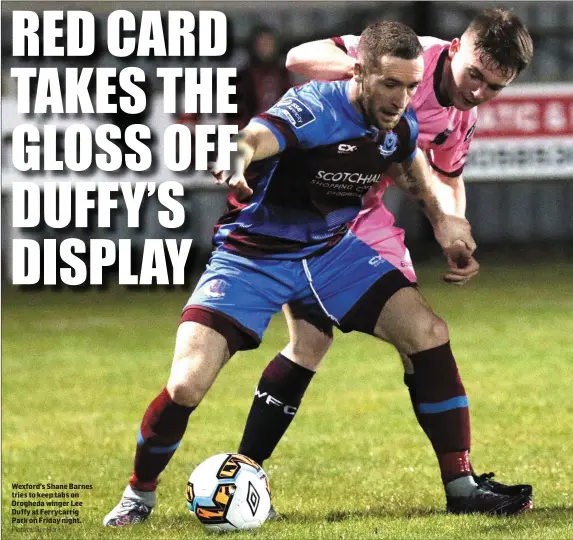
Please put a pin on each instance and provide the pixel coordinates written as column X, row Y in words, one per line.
column 520, row 172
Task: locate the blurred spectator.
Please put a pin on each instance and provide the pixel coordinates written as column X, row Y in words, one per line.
column 264, row 80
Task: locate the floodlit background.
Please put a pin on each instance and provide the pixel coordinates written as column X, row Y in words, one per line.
column 80, row 366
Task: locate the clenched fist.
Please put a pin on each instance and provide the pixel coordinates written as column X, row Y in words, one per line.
column 453, row 233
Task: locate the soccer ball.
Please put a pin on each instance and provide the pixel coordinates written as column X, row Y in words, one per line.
column 228, row 492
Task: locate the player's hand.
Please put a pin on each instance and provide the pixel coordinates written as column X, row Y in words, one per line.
column 461, row 264
column 235, row 180
column 454, row 235
column 450, row 230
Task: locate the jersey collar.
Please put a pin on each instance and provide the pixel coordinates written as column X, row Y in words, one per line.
column 438, row 74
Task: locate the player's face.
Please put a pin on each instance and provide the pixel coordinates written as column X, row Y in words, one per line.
column 387, row 90
column 473, row 80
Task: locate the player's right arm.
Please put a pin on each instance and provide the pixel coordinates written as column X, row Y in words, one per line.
column 322, row 59
column 302, row 118
column 453, row 232
column 254, row 143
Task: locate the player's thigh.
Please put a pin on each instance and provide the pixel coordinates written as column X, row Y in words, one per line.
column 408, row 322
column 239, row 294
column 310, row 334
column 200, row 353
column 352, row 282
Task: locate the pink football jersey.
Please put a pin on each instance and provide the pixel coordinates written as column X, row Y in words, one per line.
column 445, row 135
column 445, row 132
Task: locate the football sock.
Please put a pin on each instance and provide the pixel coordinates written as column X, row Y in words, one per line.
column 146, row 497
column 162, row 428
column 276, row 401
column 464, row 486
column 441, row 407
column 409, row 382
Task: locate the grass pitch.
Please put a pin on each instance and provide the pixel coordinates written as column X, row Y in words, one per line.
column 79, row 369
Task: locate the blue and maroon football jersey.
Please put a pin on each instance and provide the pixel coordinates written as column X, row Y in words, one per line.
column 304, row 198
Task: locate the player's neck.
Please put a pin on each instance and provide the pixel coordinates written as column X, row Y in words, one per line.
column 355, row 98
column 353, row 94
column 446, row 81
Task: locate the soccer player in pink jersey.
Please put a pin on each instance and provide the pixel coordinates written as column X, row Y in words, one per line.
column 458, row 77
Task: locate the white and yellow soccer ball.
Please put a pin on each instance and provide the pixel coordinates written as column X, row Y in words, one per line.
column 229, row 492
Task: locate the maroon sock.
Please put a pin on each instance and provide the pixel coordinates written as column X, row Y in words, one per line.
column 409, row 382
column 277, row 398
column 441, row 407
column 162, row 429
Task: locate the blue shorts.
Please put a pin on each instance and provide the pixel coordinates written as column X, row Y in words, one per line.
column 348, row 285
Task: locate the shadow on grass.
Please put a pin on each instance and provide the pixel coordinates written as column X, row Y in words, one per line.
column 538, row 514
column 550, row 512
column 338, row 516
column 381, row 512
column 550, row 515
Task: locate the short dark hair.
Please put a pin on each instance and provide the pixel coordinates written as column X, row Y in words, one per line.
column 387, row 38
column 502, row 39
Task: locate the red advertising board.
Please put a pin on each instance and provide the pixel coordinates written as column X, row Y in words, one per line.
column 525, row 133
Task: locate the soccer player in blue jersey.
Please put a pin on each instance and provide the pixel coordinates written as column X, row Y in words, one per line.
column 494, row 49
column 305, row 166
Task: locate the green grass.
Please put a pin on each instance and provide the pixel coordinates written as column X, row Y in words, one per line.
column 79, row 369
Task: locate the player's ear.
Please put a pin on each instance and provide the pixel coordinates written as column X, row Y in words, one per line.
column 358, row 72
column 454, row 47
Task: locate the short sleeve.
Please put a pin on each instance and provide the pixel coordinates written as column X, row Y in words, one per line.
column 450, row 160
column 301, row 118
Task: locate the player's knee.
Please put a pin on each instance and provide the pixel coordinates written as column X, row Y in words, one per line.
column 308, row 352
column 433, row 333
column 424, row 333
column 187, row 392
column 310, row 339
column 315, row 347
column 190, row 379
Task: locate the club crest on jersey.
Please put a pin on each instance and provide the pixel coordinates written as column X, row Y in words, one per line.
column 216, row 288
column 293, row 111
column 388, row 147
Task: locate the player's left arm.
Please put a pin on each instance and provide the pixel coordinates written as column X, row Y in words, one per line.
column 453, row 232
column 447, row 162
column 452, row 194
